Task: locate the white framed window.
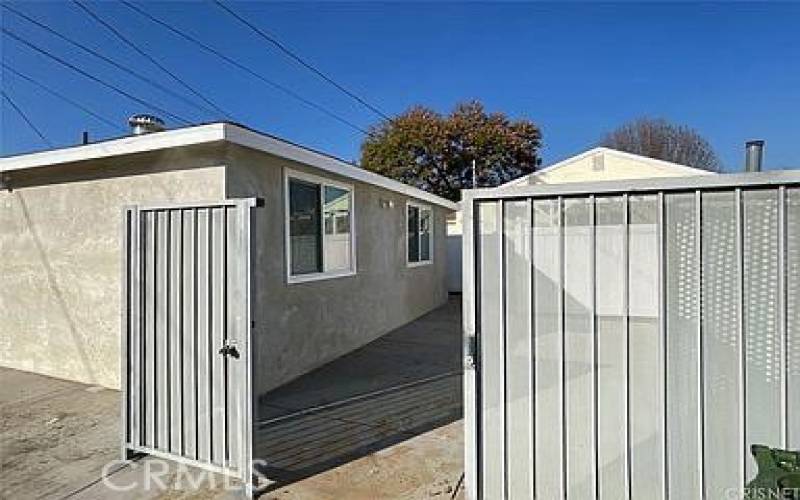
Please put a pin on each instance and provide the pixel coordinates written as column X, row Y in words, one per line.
column 319, row 227
column 419, row 234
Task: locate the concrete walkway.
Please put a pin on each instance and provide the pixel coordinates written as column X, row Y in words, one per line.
column 382, row 422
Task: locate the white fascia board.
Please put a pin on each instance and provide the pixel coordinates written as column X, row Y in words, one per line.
column 272, row 145
column 211, row 133
column 117, row 147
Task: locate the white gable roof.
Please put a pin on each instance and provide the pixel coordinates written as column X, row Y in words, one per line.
column 209, row 133
column 600, row 164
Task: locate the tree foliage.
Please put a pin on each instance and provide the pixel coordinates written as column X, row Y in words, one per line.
column 434, row 152
column 657, row 138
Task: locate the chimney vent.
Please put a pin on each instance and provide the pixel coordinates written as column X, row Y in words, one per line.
column 754, row 156
column 145, row 124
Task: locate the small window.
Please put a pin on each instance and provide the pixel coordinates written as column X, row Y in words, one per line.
column 319, row 228
column 419, row 224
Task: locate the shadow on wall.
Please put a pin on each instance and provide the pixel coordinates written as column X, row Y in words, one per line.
column 398, row 386
column 56, row 291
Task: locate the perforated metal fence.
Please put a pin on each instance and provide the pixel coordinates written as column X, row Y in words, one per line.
column 630, row 339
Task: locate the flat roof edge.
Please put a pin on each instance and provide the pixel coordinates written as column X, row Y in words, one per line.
column 116, row 147
column 212, row 132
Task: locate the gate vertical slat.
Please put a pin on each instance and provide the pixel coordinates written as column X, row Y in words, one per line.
column 741, row 338
column 662, row 334
column 189, row 313
column 682, row 322
column 133, row 363
column 235, row 298
column 792, row 208
column 518, row 372
column 548, row 454
column 721, row 351
column 149, row 356
column 493, row 383
column 611, row 435
column 782, row 318
column 762, row 320
column 701, row 405
column 175, row 332
column 626, row 349
column 203, row 331
column 160, row 299
column 578, row 349
column 218, row 431
column 646, row 431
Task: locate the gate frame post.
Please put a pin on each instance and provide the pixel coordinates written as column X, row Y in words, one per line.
column 471, row 348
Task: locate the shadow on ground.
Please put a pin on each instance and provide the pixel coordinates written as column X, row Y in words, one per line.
column 397, row 387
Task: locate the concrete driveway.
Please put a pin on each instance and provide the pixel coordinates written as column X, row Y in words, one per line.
column 382, row 422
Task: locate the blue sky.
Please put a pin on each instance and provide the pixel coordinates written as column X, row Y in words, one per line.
column 731, row 71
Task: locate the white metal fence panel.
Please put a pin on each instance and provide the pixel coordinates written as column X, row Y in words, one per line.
column 185, row 334
column 633, row 340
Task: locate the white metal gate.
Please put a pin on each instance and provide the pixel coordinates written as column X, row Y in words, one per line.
column 631, row 339
column 185, row 334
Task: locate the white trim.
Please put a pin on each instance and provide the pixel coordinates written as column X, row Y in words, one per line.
column 322, row 182
column 420, row 207
column 202, row 134
column 116, row 147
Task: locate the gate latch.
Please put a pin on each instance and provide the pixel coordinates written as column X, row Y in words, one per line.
column 470, row 352
column 229, row 350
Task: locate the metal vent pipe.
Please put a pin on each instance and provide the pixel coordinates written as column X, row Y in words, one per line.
column 754, row 156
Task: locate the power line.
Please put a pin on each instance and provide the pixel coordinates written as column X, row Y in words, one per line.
column 150, row 58
column 271, row 39
column 78, row 105
column 25, row 117
column 92, row 77
column 244, row 68
column 110, row 61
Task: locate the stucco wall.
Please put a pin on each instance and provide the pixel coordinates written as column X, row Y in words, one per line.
column 60, row 257
column 301, row 326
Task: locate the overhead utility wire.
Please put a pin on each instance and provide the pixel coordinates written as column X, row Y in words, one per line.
column 244, row 68
column 271, row 39
column 61, row 96
column 110, row 61
column 150, row 58
column 71, row 66
column 25, row 117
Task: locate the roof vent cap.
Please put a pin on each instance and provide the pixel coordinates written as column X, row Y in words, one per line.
column 145, row 124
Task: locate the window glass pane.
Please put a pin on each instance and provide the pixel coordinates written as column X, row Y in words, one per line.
column 413, row 234
column 337, row 229
column 304, row 227
column 425, row 224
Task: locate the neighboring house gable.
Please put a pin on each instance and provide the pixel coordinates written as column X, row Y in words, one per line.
column 600, row 164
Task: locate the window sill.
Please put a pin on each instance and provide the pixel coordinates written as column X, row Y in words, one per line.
column 419, row 264
column 306, row 278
